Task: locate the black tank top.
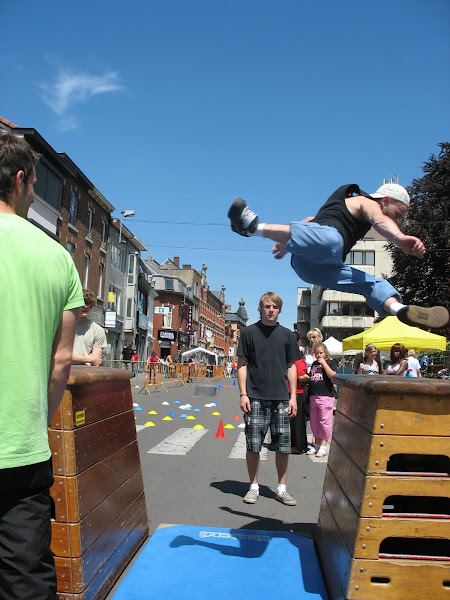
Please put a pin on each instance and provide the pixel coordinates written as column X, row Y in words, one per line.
column 336, row 214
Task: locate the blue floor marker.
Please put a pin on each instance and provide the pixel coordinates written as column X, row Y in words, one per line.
column 183, row 562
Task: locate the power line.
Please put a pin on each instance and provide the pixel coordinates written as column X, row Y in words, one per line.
column 202, row 248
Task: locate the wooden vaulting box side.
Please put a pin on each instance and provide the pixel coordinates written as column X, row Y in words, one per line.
column 378, row 418
column 100, row 510
column 74, row 497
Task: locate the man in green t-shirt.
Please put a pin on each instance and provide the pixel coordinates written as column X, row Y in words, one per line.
column 41, row 293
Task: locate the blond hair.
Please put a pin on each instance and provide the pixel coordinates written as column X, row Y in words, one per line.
column 271, row 297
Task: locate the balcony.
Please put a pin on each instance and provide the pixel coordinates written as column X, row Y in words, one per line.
column 341, row 322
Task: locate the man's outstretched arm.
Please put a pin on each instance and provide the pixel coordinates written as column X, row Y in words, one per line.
column 61, row 359
column 385, row 226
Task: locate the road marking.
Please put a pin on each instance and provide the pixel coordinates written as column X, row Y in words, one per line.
column 179, row 443
column 239, row 449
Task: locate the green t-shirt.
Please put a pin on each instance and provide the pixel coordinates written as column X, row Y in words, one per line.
column 38, row 281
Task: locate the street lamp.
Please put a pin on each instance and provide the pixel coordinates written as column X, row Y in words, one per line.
column 124, row 214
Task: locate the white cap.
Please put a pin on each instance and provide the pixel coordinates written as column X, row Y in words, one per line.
column 393, row 191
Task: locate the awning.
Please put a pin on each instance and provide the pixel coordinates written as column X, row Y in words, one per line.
column 194, row 350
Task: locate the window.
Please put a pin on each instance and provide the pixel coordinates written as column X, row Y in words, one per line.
column 130, row 302
column 116, row 257
column 71, row 248
column 358, row 257
column 48, row 185
column 116, row 305
column 100, row 281
column 89, row 223
column 169, row 284
column 86, row 270
column 103, row 232
column 73, row 209
column 131, row 268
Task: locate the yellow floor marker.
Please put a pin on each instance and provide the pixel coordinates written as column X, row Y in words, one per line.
column 167, row 419
column 216, row 414
column 229, row 426
column 190, row 417
column 152, row 412
column 198, row 426
column 149, row 424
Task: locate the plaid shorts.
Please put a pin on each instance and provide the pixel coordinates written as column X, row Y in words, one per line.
column 265, row 413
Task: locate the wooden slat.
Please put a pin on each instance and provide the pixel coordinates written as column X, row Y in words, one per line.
column 377, row 489
column 82, row 570
column 371, row 532
column 344, row 513
column 328, row 530
column 332, row 582
column 384, row 446
column 348, row 475
column 74, row 451
column 353, row 439
column 357, row 406
column 73, row 539
column 94, row 402
column 77, row 495
column 409, row 580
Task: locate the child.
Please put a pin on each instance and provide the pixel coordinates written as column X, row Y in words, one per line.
column 321, row 395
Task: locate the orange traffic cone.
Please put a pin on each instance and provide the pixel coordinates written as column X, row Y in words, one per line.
column 220, row 434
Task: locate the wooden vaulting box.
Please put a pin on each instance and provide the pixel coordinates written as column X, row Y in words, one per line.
column 384, row 522
column 98, row 493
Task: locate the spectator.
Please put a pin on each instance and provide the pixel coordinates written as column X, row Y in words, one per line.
column 399, row 364
column 369, row 365
column 127, row 353
column 321, row 395
column 90, row 338
column 299, row 442
column 134, row 363
column 40, row 300
column 413, row 364
column 266, row 356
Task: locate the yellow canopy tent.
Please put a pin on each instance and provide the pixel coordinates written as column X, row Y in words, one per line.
column 390, row 331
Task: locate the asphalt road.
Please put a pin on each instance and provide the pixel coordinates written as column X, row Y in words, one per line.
column 190, row 478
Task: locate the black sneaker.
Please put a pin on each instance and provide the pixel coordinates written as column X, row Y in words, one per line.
column 434, row 317
column 243, row 220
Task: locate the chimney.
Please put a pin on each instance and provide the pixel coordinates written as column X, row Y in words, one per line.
column 186, row 266
column 176, row 260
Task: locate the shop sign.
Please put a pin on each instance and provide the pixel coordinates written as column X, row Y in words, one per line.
column 183, row 338
column 110, row 319
column 162, row 310
column 167, row 335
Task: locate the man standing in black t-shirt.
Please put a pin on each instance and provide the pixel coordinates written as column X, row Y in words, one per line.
column 266, row 362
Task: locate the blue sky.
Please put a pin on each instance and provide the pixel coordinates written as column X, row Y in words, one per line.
column 172, row 108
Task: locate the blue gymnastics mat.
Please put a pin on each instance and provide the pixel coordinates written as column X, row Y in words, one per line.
column 182, row 562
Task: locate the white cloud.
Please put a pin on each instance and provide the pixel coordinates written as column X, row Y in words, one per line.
column 71, row 88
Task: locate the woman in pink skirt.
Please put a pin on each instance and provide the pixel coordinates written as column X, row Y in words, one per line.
column 321, row 394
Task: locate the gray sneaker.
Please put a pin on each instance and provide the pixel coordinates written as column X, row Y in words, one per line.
column 251, row 497
column 419, row 316
column 243, row 220
column 285, row 498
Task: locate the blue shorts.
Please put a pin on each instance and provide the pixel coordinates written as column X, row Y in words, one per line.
column 317, row 258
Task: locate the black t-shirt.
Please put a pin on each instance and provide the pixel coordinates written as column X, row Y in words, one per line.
column 127, row 353
column 269, row 351
column 336, row 214
column 320, row 384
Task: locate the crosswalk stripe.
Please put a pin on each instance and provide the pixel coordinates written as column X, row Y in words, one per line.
column 179, row 443
column 239, row 449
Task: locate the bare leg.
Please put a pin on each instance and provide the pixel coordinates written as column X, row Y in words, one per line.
column 281, row 462
column 277, row 233
column 252, row 465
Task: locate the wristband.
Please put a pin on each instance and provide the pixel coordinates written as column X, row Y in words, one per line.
column 243, row 394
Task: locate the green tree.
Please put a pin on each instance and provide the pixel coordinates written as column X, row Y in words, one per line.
column 427, row 282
